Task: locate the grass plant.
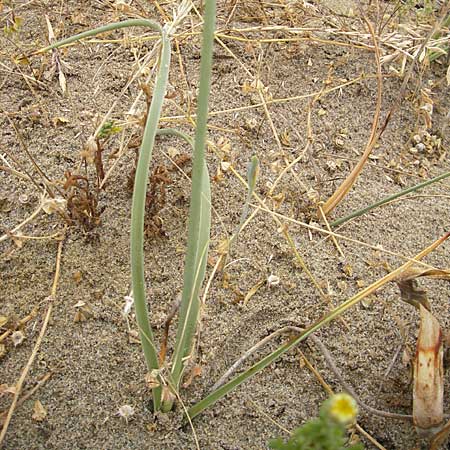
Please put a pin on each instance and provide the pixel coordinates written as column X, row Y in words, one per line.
column 389, row 199
column 200, row 220
column 200, row 206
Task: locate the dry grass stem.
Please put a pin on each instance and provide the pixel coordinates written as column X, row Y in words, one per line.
column 345, row 187
column 27, row 395
column 20, row 382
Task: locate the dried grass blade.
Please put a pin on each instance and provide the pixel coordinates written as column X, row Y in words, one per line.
column 337, row 312
column 407, row 283
column 345, row 187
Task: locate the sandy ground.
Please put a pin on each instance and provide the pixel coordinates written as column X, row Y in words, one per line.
column 94, row 364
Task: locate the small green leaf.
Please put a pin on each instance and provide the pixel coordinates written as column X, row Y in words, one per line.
column 108, row 129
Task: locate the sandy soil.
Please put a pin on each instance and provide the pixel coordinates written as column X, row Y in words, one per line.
column 95, row 366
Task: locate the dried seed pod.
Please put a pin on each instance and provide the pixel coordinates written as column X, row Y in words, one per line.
column 428, row 395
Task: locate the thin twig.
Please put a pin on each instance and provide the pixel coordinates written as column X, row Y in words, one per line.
column 30, row 177
column 331, row 364
column 276, row 100
column 20, row 324
column 388, row 199
column 168, row 321
column 27, row 368
column 345, row 187
column 289, row 239
column 15, row 172
column 338, row 235
column 329, row 360
column 267, row 416
column 46, row 180
column 23, row 223
column 27, row 394
column 327, row 224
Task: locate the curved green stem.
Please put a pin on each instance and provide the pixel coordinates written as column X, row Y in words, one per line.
column 177, row 133
column 138, row 212
column 140, row 186
column 362, row 211
column 104, row 29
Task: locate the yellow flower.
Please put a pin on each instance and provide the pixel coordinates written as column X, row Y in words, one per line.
column 342, row 408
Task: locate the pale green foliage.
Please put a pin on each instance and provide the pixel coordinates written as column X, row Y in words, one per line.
column 326, row 432
column 200, row 209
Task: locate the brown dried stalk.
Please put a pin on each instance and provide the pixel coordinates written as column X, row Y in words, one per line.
column 428, row 394
column 345, row 187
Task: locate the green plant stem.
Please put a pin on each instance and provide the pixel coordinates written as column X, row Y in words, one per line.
column 338, row 311
column 199, row 211
column 177, row 133
column 138, row 213
column 362, row 211
column 252, row 176
column 140, row 186
column 104, row 29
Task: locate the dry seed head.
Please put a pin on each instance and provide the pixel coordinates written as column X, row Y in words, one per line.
column 18, row 239
column 225, row 166
column 121, row 5
column 152, row 379
column 90, row 150
column 173, row 152
column 126, row 411
column 331, row 165
column 168, row 396
column 17, row 338
column 251, row 123
column 50, row 205
column 39, row 412
column 178, row 16
column 273, row 280
column 128, row 304
column 313, row 195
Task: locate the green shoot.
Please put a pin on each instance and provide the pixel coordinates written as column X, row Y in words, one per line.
column 200, row 210
column 252, row 176
column 140, row 187
column 327, row 432
column 108, row 129
column 385, row 200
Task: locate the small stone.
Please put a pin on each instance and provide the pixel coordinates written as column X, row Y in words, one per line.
column 273, row 280
column 420, row 147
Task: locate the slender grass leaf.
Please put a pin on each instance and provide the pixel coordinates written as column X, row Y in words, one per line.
column 199, row 214
column 267, row 360
column 140, row 185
